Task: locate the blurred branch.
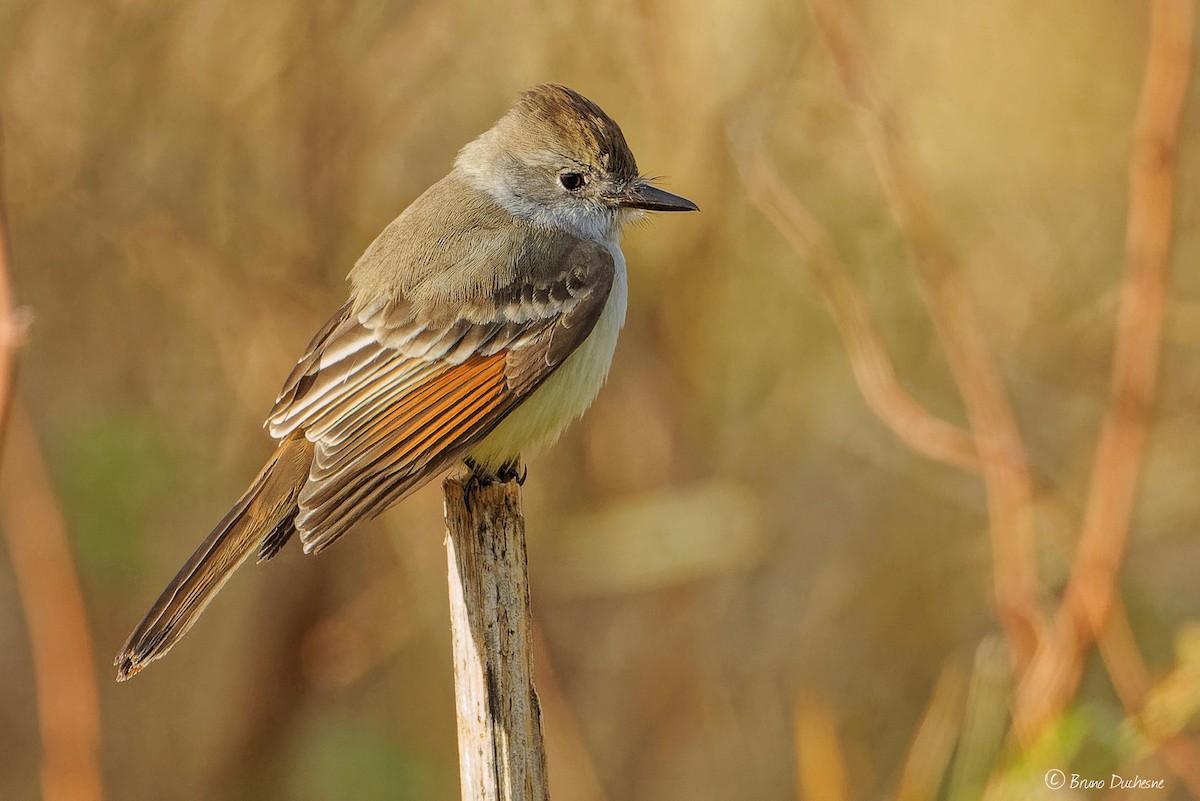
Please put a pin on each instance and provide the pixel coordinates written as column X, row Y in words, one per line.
column 566, row 749
column 820, row 762
column 14, row 322
column 1131, row 680
column 67, row 705
column 1091, row 607
column 1003, row 462
column 500, row 749
column 250, row 757
column 915, row 425
column 1049, row 654
column 1125, row 431
column 933, row 744
column 1126, row 668
column 1169, row 709
column 1122, row 659
column 985, row 721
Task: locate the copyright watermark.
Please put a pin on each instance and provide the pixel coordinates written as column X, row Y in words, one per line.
column 1057, row 780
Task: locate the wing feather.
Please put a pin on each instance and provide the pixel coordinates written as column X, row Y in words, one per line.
column 405, row 464
column 395, row 393
column 415, row 413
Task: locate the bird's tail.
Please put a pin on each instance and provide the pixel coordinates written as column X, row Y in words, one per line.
column 262, row 519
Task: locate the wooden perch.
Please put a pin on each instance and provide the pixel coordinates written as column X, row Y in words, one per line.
column 500, row 750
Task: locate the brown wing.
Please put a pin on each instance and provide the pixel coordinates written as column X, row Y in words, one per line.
column 394, row 395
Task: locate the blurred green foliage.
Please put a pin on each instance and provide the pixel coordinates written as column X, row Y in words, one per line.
column 113, row 468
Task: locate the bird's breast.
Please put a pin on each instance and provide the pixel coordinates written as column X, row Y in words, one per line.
column 567, row 393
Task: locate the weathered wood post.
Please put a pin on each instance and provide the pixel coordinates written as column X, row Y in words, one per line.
column 500, row 750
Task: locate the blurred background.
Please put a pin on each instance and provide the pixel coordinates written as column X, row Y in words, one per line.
column 746, row 585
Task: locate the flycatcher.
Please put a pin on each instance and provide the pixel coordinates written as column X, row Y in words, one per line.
column 481, row 322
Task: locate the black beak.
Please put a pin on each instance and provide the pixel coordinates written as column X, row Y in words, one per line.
column 644, row 196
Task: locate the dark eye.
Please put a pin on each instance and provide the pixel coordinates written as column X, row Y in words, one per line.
column 572, row 181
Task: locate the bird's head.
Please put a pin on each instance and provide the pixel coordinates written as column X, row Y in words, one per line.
column 557, row 159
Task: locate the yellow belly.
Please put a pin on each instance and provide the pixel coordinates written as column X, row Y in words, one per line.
column 565, row 395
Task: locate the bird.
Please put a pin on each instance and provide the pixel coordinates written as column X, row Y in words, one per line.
column 481, row 322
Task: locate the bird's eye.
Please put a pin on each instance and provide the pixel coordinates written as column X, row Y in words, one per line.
column 572, row 181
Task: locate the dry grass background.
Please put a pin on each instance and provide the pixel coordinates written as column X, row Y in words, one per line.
column 750, row 581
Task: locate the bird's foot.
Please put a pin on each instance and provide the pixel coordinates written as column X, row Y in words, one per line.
column 482, row 477
column 513, row 471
